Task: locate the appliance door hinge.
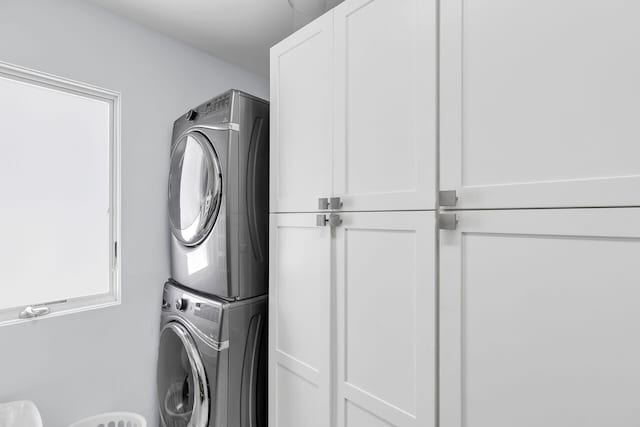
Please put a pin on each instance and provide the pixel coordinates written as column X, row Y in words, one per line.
column 447, row 221
column 448, row 198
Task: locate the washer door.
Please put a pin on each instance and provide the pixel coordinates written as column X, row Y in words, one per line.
column 195, row 188
column 183, row 392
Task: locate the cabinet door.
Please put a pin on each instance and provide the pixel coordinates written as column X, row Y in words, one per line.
column 386, row 311
column 385, row 104
column 539, row 102
column 301, row 118
column 299, row 322
column 539, row 319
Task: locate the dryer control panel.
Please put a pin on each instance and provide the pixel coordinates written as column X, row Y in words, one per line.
column 217, row 109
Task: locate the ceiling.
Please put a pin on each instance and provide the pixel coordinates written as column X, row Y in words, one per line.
column 236, row 31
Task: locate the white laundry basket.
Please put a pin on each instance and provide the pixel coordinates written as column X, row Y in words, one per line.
column 112, row 419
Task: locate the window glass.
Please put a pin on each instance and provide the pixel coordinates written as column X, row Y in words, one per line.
column 57, row 177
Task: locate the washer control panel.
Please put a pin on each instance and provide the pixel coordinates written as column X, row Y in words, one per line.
column 204, row 313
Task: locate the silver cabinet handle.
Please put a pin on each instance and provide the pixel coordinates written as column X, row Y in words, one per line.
column 448, row 198
column 321, row 220
column 335, row 203
column 448, row 221
column 30, row 312
column 323, row 203
column 333, row 220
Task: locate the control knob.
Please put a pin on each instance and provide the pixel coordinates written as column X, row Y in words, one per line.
column 181, row 304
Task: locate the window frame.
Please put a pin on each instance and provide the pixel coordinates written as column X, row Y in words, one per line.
column 113, row 99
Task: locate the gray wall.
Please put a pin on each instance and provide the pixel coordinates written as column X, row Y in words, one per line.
column 103, row 360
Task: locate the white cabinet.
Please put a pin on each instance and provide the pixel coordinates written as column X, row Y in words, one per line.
column 386, row 305
column 539, row 102
column 539, row 319
column 301, row 118
column 534, row 106
column 299, row 322
column 352, row 321
column 353, row 109
column 385, row 104
column 538, row 308
column 352, row 335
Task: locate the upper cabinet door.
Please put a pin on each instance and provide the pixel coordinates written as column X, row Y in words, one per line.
column 539, row 102
column 385, row 104
column 539, row 318
column 386, row 314
column 299, row 322
column 301, row 118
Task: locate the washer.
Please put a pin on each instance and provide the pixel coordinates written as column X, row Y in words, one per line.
column 219, row 197
column 212, row 369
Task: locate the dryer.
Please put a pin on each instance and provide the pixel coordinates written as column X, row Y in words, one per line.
column 212, row 368
column 218, row 197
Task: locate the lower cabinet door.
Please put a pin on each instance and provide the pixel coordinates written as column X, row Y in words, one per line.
column 299, row 322
column 385, row 320
column 539, row 322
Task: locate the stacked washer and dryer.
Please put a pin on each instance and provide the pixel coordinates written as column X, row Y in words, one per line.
column 212, row 363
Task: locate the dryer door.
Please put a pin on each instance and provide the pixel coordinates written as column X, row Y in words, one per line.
column 183, row 392
column 195, row 188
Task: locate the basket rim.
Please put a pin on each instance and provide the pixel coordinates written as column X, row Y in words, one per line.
column 107, row 417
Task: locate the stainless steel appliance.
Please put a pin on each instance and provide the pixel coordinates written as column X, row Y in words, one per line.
column 212, row 360
column 218, row 197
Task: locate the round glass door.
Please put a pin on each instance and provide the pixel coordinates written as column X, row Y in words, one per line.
column 183, row 393
column 195, row 189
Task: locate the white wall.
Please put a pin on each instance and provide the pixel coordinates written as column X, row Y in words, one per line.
column 81, row 364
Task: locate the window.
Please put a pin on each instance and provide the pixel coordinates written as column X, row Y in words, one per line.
column 59, row 188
